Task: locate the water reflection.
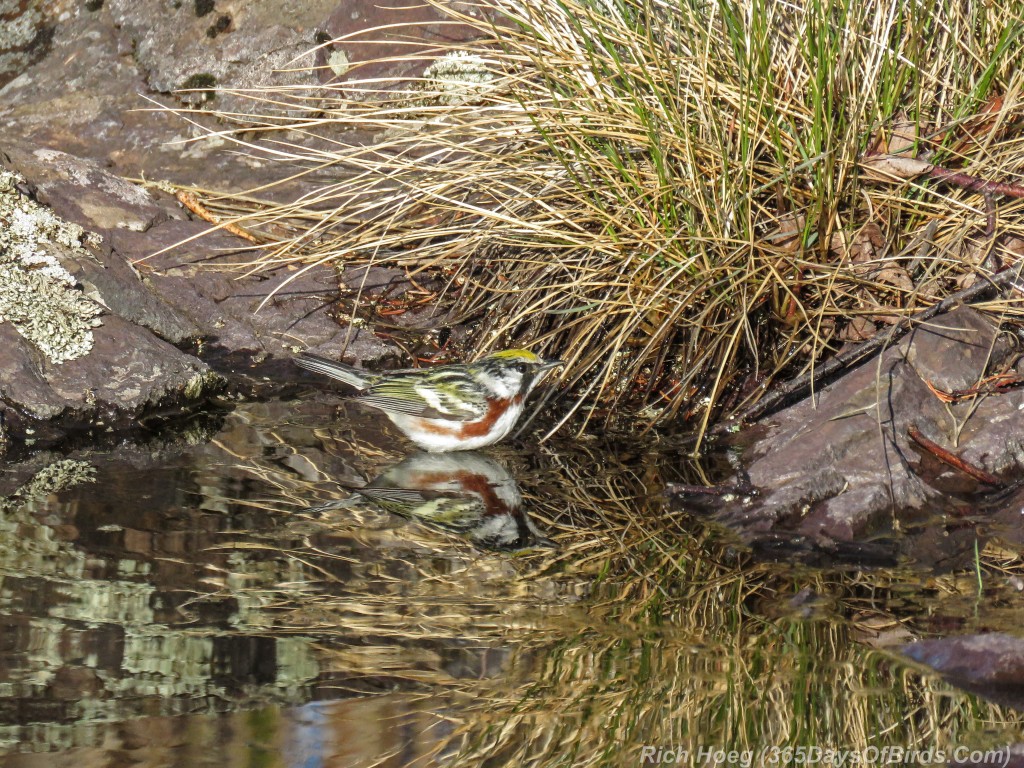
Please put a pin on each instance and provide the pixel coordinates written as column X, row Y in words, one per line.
column 178, row 602
column 466, row 493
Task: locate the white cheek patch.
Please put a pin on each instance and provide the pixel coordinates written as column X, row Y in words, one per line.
column 502, row 387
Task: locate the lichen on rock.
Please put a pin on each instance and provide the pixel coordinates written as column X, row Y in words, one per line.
column 458, row 78
column 37, row 295
column 55, row 477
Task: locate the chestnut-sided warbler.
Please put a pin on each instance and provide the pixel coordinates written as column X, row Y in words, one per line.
column 456, row 407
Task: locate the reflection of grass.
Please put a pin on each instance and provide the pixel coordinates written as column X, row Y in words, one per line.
column 727, row 662
column 666, row 194
column 644, row 627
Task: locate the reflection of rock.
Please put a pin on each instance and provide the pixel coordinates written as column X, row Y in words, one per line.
column 989, row 665
column 99, row 559
column 464, row 492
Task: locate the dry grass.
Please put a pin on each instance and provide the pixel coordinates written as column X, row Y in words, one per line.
column 667, row 195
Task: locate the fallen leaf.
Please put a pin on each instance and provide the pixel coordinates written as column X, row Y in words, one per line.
column 889, row 167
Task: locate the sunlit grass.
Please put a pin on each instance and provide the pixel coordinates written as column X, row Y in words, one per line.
column 666, row 195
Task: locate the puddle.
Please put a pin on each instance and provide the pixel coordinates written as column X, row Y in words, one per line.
column 229, row 599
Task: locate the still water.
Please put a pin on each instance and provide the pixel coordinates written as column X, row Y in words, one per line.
column 221, row 596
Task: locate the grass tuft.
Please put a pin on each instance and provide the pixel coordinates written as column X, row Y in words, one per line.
column 668, row 196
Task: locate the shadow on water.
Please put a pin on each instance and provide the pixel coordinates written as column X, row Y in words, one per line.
column 284, row 591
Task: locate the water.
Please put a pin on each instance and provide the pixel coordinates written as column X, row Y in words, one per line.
column 220, row 596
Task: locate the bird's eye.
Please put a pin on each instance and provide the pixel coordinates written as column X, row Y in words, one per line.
column 521, row 367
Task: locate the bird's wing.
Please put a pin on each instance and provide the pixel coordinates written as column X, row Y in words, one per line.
column 413, row 398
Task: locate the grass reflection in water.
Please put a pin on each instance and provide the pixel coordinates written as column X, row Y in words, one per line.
column 239, row 581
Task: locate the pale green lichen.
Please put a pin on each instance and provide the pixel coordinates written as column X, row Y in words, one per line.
column 200, row 383
column 53, row 478
column 458, row 78
column 37, row 295
column 338, row 62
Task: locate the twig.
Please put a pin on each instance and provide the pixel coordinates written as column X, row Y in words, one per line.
column 779, row 396
column 191, row 201
column 950, row 458
column 973, row 183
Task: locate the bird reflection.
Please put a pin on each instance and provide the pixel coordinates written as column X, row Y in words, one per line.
column 465, row 493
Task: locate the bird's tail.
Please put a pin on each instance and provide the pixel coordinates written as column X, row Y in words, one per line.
column 346, row 373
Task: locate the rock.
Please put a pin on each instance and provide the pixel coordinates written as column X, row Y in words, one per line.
column 112, row 68
column 374, row 49
column 221, row 51
column 70, row 363
column 24, row 37
column 841, row 466
column 133, row 276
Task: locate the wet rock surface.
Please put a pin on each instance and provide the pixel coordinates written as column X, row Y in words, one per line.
column 154, row 294
column 843, row 466
column 84, row 98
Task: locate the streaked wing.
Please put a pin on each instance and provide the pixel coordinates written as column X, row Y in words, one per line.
column 412, row 397
column 394, row 495
column 405, row 405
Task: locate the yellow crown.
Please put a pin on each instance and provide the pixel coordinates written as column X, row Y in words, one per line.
column 516, row 354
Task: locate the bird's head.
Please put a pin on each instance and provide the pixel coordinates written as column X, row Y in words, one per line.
column 513, row 372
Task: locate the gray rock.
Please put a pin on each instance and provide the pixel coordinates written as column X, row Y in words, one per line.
column 102, row 89
column 374, row 48
column 841, row 466
column 156, row 278
column 24, row 36
column 69, row 361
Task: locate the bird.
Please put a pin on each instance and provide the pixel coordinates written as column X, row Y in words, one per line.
column 456, row 407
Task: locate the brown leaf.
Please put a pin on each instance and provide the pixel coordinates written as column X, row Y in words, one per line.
column 896, row 276
column 860, row 328
column 787, row 236
column 867, row 244
column 889, row 167
column 902, row 138
column 975, row 131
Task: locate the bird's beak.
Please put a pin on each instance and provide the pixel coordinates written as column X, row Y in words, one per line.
column 547, row 365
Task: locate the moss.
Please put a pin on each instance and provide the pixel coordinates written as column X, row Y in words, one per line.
column 199, row 81
column 222, row 24
column 204, row 83
column 93, row 5
column 204, row 7
column 37, row 295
